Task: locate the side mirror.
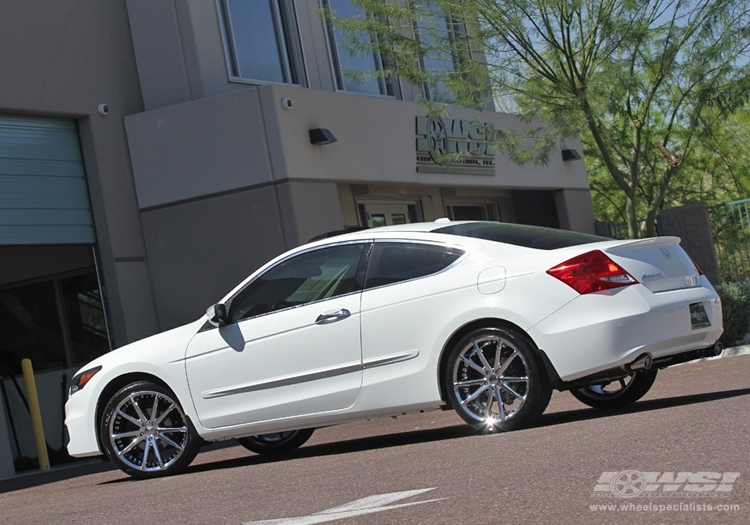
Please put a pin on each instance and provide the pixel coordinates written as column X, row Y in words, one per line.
column 217, row 315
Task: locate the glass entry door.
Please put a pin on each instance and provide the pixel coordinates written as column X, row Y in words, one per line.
column 377, row 214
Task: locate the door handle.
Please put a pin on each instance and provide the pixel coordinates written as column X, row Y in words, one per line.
column 332, row 317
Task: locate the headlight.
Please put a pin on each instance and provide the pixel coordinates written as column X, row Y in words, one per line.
column 79, row 380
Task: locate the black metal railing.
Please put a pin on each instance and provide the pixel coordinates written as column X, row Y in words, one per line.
column 730, row 225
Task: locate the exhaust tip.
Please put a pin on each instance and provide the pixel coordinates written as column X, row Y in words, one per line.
column 645, row 362
column 718, row 349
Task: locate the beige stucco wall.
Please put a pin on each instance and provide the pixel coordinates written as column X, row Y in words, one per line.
column 247, row 138
column 376, row 142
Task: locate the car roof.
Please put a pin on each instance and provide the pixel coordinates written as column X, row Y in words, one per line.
column 528, row 236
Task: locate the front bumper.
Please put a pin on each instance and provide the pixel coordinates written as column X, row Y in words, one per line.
column 80, row 415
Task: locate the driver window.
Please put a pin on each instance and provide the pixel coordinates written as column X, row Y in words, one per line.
column 305, row 278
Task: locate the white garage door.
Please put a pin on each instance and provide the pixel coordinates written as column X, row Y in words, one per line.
column 43, row 194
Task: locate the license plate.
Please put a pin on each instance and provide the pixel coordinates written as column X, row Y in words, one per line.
column 698, row 317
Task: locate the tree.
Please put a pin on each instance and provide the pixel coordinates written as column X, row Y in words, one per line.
column 719, row 171
column 647, row 84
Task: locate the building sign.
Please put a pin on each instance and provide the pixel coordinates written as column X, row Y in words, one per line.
column 454, row 146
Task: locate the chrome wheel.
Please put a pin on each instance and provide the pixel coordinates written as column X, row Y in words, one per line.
column 611, row 388
column 276, row 442
column 616, row 392
column 494, row 380
column 145, row 432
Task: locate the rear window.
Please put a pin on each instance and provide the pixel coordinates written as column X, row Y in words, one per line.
column 521, row 235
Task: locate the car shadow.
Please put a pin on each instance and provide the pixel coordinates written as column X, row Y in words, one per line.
column 457, row 431
column 583, row 414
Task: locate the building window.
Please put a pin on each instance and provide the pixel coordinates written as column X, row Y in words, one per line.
column 262, row 40
column 387, row 213
column 436, row 31
column 354, row 71
column 472, row 212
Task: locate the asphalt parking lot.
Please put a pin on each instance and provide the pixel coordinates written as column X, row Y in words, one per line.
column 678, row 456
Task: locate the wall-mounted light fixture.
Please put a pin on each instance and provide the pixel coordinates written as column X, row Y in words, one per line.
column 570, row 154
column 321, row 136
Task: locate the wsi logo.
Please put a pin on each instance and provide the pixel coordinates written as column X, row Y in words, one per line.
column 633, row 483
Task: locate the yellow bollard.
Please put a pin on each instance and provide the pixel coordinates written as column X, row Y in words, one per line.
column 36, row 414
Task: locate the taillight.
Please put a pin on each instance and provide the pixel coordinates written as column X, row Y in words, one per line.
column 592, row 272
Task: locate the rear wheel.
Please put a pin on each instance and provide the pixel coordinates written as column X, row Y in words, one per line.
column 145, row 433
column 494, row 380
column 276, row 442
column 617, row 393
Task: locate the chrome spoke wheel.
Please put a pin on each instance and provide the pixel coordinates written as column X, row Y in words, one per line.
column 276, row 442
column 490, row 379
column 609, row 388
column 616, row 392
column 147, row 431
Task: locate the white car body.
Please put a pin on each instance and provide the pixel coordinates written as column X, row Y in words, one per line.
column 282, row 371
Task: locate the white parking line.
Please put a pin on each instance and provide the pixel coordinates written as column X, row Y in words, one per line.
column 368, row 505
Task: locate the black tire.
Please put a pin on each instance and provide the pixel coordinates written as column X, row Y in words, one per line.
column 617, row 393
column 494, row 380
column 276, row 442
column 145, row 432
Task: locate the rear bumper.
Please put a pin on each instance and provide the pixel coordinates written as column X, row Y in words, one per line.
column 600, row 331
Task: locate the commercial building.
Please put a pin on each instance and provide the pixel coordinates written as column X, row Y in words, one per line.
column 153, row 154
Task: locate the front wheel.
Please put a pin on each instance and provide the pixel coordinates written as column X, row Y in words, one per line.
column 494, row 380
column 617, row 393
column 145, row 433
column 276, row 442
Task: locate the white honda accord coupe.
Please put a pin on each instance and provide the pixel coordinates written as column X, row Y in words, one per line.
column 485, row 318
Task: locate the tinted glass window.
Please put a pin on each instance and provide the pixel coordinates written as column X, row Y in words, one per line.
column 436, row 36
column 261, row 39
column 349, row 63
column 400, row 261
column 30, row 327
column 308, row 277
column 57, row 324
column 85, row 317
column 521, row 235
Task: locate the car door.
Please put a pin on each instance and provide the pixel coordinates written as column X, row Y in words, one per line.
column 406, row 296
column 291, row 345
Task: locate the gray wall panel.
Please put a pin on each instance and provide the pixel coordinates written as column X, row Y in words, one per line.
column 199, row 251
column 692, row 225
column 202, row 148
column 159, row 53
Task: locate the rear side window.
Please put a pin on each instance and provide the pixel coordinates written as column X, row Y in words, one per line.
column 393, row 262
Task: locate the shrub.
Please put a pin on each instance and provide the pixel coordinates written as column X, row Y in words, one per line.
column 735, row 303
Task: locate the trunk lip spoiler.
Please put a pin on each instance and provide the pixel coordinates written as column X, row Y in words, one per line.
column 637, row 243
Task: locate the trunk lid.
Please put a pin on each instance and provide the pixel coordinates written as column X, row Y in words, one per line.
column 659, row 263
